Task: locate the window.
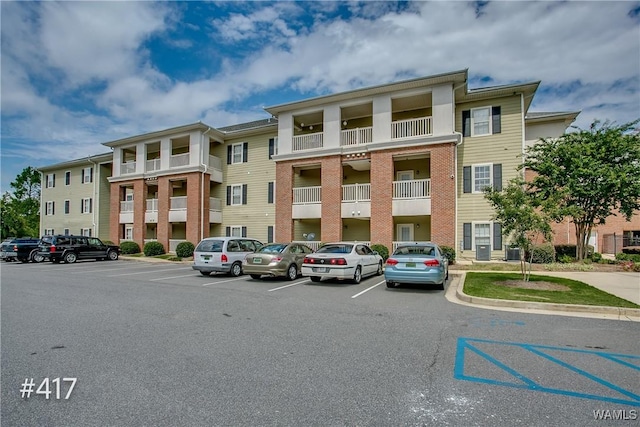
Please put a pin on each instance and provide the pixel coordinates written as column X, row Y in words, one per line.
column 237, row 153
column 128, row 232
column 50, row 208
column 86, row 232
column 404, row 232
column 481, row 121
column 86, row 206
column 51, row 180
column 67, row 207
column 236, row 194
column 481, row 177
column 270, row 234
column 482, row 233
column 67, row 178
column 66, row 232
column 236, row 231
column 273, row 146
column 270, row 186
column 87, row 175
column 49, row 232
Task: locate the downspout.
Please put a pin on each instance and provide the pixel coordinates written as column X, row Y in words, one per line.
column 96, row 204
column 455, row 166
column 205, row 168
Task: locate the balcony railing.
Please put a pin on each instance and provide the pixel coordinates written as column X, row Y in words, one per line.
column 356, row 136
column 178, row 203
column 411, row 127
column 313, row 244
column 173, row 244
column 178, row 160
column 128, row 167
column 308, row 141
column 152, row 205
column 215, row 204
column 304, row 195
column 412, row 189
column 215, row 162
column 356, row 193
column 153, row 165
column 126, row 206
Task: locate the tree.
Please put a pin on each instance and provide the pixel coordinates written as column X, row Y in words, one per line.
column 587, row 175
column 515, row 209
column 20, row 209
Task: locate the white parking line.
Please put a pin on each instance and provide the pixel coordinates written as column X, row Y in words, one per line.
column 368, row 289
column 146, row 272
column 289, row 285
column 173, row 277
column 224, row 281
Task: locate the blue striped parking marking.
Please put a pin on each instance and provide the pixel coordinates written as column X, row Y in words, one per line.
column 492, row 350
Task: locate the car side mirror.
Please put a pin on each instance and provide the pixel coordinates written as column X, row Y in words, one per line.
column 376, row 253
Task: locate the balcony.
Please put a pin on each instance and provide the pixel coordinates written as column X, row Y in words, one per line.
column 356, row 201
column 128, row 168
column 411, row 127
column 215, row 169
column 215, row 210
column 356, row 136
column 309, row 141
column 178, row 209
column 151, row 214
column 126, row 212
column 179, row 160
column 412, row 197
column 152, row 165
column 307, row 202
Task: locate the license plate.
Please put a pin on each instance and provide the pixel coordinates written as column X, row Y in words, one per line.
column 320, row 269
column 257, row 260
column 410, row 265
column 206, row 257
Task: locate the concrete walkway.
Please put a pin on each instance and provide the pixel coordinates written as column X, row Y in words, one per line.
column 621, row 284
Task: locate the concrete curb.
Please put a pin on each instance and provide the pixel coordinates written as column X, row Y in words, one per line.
column 619, row 313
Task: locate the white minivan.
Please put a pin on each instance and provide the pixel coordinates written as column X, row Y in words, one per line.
column 223, row 254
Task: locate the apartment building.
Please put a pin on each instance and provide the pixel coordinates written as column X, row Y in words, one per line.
column 404, row 161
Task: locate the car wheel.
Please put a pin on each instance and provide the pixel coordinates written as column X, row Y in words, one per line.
column 112, row 255
column 315, row 278
column 35, row 257
column 205, row 273
column 70, row 257
column 236, row 269
column 447, row 276
column 255, row 276
column 391, row 285
column 357, row 276
column 440, row 286
column 292, row 272
column 379, row 271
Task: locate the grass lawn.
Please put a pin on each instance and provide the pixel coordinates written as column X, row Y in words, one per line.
column 510, row 286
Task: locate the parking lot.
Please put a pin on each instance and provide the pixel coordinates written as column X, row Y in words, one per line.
column 159, row 344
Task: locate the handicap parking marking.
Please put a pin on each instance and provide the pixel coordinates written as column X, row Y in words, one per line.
column 289, row 285
column 368, row 289
column 621, row 394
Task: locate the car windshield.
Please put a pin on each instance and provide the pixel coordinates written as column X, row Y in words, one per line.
column 335, row 249
column 415, row 250
column 210, row 246
column 47, row 240
column 272, row 249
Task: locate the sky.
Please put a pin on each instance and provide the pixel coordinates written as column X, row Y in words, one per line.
column 77, row 74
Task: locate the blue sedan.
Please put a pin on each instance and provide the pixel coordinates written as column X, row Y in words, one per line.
column 417, row 263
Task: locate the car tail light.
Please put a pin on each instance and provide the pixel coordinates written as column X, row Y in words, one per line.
column 309, row 260
column 15, row 248
column 392, row 261
column 223, row 258
column 52, row 248
column 432, row 263
column 276, row 259
column 338, row 261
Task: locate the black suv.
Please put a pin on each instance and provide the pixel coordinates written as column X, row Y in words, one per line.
column 71, row 248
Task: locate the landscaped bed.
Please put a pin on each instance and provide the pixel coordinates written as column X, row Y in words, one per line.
column 510, row 286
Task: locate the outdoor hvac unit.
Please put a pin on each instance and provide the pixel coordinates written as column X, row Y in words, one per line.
column 483, row 252
column 511, row 254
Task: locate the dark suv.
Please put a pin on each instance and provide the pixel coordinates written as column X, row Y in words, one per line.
column 71, row 248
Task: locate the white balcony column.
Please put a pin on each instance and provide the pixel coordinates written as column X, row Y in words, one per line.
column 194, row 148
column 117, row 161
column 331, row 127
column 443, row 104
column 141, row 157
column 285, row 133
column 165, row 153
column 381, row 118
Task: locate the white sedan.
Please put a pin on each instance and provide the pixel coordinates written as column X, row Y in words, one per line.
column 342, row 260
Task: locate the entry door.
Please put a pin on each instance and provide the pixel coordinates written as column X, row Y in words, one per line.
column 404, row 175
column 404, row 232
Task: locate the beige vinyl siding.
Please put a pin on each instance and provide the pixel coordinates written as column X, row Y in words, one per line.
column 421, row 168
column 257, row 214
column 356, row 229
column 306, row 226
column 504, row 148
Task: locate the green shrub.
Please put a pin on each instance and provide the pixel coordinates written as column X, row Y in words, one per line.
column 128, row 247
column 108, row 242
column 543, row 254
column 153, row 249
column 627, row 257
column 596, row 257
column 566, row 259
column 449, row 253
column 175, row 258
column 571, row 250
column 185, row 249
column 382, row 250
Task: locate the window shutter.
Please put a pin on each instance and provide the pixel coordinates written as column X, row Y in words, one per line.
column 270, row 234
column 90, row 205
column 54, row 180
column 91, row 174
column 228, row 231
column 228, row 195
column 497, row 236
column 81, row 205
column 53, row 208
column 82, row 177
column 245, row 152
column 244, row 231
column 228, row 154
column 244, row 194
column 466, row 123
column 66, row 206
column 497, row 177
column 466, row 179
column 466, row 245
column 495, row 117
column 272, row 143
column 270, row 192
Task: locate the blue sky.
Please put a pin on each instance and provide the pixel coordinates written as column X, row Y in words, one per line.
column 77, row 74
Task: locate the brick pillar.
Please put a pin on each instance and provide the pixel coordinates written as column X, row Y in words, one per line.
column 381, row 198
column 139, row 208
column 331, row 221
column 196, row 211
column 115, row 229
column 284, row 201
column 164, row 229
column 443, row 201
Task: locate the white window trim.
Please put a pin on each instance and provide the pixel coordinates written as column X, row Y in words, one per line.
column 84, row 206
column 66, row 232
column 237, row 228
column 65, row 206
column 65, row 178
column 50, row 180
column 490, row 127
column 128, row 228
column 84, row 177
column 241, row 194
column 86, row 232
column 49, row 208
column 48, row 231
column 473, row 176
column 473, row 233
column 233, row 154
column 411, row 232
column 400, row 173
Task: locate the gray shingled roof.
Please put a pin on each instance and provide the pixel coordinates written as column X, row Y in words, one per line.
column 249, row 125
